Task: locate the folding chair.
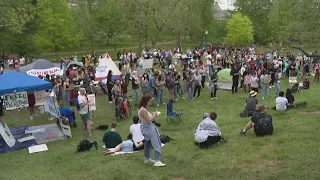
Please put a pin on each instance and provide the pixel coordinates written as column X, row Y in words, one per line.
column 171, row 116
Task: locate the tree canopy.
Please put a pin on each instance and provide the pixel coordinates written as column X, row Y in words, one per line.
column 240, row 30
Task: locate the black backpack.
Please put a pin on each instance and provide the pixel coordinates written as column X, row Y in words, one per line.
column 164, row 138
column 84, row 145
column 263, row 126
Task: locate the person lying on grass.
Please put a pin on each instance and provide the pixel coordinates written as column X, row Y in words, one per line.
column 126, row 146
column 208, row 133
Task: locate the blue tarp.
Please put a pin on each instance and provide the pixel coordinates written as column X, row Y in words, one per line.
column 12, row 81
column 17, row 132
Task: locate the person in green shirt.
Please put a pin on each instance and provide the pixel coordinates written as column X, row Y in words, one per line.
column 112, row 138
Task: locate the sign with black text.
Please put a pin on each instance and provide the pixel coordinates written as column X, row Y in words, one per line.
column 16, row 100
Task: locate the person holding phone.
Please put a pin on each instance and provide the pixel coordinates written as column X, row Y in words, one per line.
column 150, row 131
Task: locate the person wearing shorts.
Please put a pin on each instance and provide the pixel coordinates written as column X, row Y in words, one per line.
column 84, row 112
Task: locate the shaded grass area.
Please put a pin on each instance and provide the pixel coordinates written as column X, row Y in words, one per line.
column 291, row 153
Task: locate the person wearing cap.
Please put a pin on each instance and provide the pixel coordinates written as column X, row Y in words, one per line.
column 208, row 132
column 250, row 105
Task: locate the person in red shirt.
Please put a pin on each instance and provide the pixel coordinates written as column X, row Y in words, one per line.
column 32, row 102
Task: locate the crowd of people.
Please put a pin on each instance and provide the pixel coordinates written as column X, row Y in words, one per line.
column 184, row 75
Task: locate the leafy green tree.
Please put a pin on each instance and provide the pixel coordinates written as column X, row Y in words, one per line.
column 240, row 30
column 57, row 28
column 257, row 11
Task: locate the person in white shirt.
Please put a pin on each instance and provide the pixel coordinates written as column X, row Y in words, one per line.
column 208, row 133
column 22, row 61
column 281, row 102
column 135, row 130
column 84, row 112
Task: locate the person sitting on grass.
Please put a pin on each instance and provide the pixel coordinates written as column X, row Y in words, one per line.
column 126, row 146
column 290, row 98
column 208, row 133
column 295, row 88
column 250, row 105
column 136, row 131
column 306, row 84
column 281, row 102
column 256, row 119
column 112, row 138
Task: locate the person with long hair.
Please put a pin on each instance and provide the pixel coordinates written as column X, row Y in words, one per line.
column 109, row 86
column 150, row 131
column 145, row 83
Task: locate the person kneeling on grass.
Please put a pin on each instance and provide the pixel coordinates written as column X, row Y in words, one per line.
column 261, row 122
column 126, row 146
column 208, row 133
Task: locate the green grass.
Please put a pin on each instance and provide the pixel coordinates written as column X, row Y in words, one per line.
column 291, row 153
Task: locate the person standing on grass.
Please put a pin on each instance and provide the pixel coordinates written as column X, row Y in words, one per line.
column 317, row 69
column 66, row 87
column 135, row 86
column 145, row 83
column 264, row 83
column 160, row 89
column 197, row 84
column 190, row 81
column 262, row 114
column 177, row 86
column 32, row 102
column 170, row 86
column 84, row 112
column 112, row 138
column 110, row 86
column 254, row 84
column 277, row 80
column 235, row 78
column 150, row 131
column 213, row 85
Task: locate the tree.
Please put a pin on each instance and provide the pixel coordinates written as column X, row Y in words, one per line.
column 18, row 22
column 297, row 25
column 240, row 30
column 57, row 29
column 84, row 15
column 109, row 20
column 257, row 11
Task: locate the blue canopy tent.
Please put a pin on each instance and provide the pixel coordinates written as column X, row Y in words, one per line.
column 11, row 82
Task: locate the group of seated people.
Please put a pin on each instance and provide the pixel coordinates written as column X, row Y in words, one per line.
column 113, row 140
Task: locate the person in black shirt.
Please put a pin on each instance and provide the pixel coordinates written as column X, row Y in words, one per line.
column 235, row 78
column 109, row 85
column 214, row 84
column 262, row 113
column 290, row 98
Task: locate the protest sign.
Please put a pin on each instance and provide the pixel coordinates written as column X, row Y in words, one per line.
column 102, row 71
column 92, row 102
column 40, row 98
column 65, row 128
column 44, row 72
column 52, row 107
column 16, row 100
column 147, row 63
column 6, row 134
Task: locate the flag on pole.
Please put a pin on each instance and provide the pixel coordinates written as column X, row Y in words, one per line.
column 63, row 60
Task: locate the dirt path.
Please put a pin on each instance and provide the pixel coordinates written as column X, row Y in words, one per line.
column 110, row 49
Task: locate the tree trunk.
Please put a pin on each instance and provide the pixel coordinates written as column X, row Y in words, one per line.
column 57, row 55
column 107, row 42
column 154, row 44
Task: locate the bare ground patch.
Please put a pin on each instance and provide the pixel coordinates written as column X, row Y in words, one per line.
column 313, row 113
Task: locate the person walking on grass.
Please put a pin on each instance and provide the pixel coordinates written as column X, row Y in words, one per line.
column 150, row 131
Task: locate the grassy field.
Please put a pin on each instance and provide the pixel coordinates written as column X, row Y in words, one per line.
column 291, row 153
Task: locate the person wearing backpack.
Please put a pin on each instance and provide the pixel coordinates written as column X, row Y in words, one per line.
column 261, row 122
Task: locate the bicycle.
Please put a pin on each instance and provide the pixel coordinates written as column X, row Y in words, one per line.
column 123, row 108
